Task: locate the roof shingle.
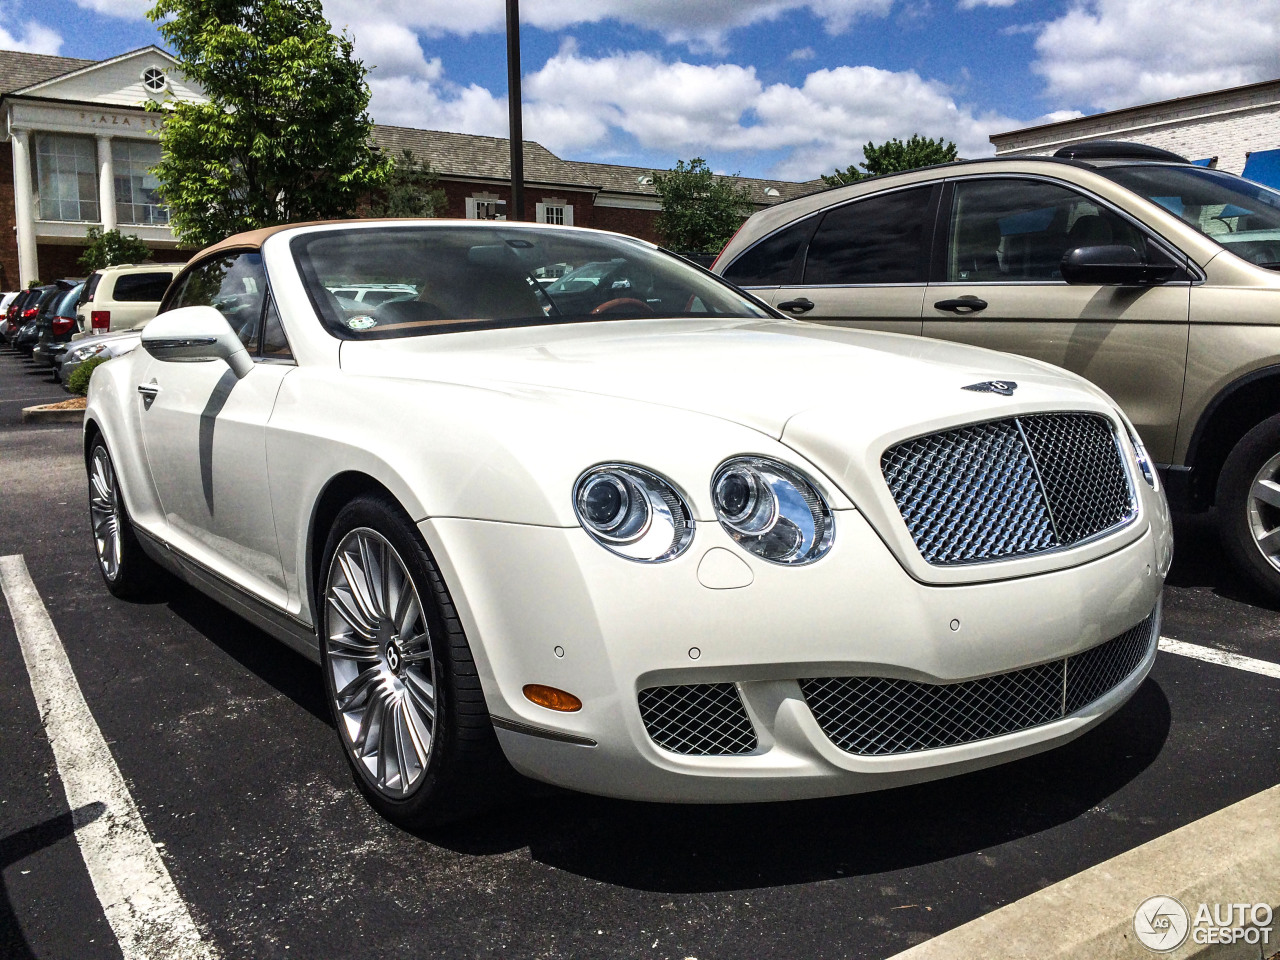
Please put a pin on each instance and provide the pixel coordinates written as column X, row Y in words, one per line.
column 19, row 69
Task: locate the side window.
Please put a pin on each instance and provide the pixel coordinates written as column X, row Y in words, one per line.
column 235, row 285
column 139, row 287
column 275, row 345
column 771, row 261
column 1011, row 230
column 881, row 239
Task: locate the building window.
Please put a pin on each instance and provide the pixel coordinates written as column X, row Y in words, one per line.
column 555, row 211
column 486, row 207
column 67, row 177
column 136, row 198
column 154, row 80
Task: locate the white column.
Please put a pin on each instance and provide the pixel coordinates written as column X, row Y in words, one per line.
column 106, row 184
column 24, row 211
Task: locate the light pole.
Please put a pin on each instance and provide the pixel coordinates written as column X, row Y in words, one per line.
column 515, row 210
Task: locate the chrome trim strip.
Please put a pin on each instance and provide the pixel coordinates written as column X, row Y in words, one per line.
column 528, row 729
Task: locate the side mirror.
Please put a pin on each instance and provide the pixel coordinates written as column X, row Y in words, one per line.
column 1113, row 264
column 195, row 335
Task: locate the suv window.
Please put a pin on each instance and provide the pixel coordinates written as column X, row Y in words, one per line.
column 92, row 285
column 881, row 239
column 234, row 285
column 1010, row 229
column 137, row 287
column 771, row 261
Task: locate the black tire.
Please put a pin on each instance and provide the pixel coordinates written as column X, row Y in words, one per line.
column 465, row 772
column 1239, row 517
column 128, row 572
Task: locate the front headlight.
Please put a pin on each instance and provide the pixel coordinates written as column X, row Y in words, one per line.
column 633, row 512
column 84, row 353
column 772, row 510
column 1144, row 460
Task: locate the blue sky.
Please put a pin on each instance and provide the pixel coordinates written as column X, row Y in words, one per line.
column 787, row 88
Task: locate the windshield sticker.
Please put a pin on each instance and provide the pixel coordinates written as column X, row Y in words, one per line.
column 362, row 322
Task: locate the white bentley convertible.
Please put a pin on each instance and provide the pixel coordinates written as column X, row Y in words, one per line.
column 564, row 498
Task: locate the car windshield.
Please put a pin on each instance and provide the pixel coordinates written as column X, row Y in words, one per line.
column 451, row 278
column 1241, row 215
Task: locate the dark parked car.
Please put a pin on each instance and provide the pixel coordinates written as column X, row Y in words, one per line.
column 56, row 325
column 28, row 334
column 16, row 314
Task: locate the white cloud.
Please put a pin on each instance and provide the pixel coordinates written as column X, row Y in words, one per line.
column 974, row 4
column 127, row 9
column 804, row 53
column 30, row 37
column 702, row 24
column 1117, row 53
column 578, row 105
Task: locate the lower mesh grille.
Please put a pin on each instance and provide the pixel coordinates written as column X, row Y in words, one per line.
column 875, row 716
column 697, row 719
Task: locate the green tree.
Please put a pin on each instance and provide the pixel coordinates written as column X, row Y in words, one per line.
column 894, row 156
column 106, row 249
column 285, row 134
column 411, row 190
column 700, row 211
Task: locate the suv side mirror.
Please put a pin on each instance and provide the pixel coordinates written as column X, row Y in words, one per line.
column 196, row 335
column 1114, row 264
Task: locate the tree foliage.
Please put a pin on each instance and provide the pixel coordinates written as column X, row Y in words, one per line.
column 700, row 211
column 894, row 156
column 285, row 135
column 412, row 190
column 106, row 249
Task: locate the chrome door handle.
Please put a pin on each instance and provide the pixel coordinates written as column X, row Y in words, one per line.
column 148, row 390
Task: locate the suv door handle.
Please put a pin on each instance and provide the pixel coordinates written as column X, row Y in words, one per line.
column 798, row 305
column 962, row 305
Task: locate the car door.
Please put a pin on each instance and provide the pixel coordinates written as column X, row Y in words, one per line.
column 204, row 432
column 998, row 284
column 866, row 263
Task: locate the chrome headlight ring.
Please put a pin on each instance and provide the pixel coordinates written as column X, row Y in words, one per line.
column 772, row 510
column 633, row 512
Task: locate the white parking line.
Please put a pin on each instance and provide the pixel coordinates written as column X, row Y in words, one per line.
column 149, row 918
column 1220, row 657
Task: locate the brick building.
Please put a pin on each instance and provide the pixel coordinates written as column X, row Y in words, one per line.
column 1237, row 130
column 81, row 145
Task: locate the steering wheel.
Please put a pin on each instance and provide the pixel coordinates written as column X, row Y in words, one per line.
column 619, row 304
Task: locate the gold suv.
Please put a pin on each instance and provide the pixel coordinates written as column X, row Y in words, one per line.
column 1151, row 276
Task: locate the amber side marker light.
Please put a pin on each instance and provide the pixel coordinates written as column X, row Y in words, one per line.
column 551, row 698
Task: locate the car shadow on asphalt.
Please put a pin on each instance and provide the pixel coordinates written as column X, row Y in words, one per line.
column 696, row 849
column 284, row 669
column 1199, row 561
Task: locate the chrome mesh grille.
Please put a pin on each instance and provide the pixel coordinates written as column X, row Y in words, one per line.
column 704, row 718
column 876, row 716
column 1009, row 488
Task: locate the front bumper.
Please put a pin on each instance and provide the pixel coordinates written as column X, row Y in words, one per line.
column 547, row 605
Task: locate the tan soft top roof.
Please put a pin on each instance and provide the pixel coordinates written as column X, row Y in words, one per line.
column 253, row 239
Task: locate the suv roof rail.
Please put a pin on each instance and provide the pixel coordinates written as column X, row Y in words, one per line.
column 1117, row 150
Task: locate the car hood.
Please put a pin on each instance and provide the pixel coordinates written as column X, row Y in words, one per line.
column 781, row 378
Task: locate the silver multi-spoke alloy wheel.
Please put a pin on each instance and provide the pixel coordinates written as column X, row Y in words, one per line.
column 1264, row 510
column 104, row 512
column 380, row 663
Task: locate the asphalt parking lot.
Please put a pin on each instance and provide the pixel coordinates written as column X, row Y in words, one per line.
column 223, row 739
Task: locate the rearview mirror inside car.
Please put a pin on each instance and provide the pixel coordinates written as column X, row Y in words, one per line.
column 1113, row 264
column 196, row 335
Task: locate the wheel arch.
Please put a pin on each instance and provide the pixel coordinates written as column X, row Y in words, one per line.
column 340, row 490
column 1234, row 411
column 91, row 433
